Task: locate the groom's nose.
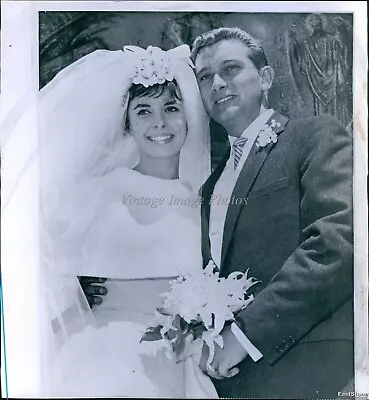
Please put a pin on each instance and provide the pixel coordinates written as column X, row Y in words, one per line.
column 218, row 83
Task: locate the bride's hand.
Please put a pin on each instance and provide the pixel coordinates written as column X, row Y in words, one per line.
column 93, row 289
column 226, row 358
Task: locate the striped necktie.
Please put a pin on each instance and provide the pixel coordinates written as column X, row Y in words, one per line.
column 238, row 146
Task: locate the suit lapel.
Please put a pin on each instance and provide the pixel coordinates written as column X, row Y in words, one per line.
column 207, row 191
column 246, row 179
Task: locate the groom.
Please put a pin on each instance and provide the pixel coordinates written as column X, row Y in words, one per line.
column 280, row 204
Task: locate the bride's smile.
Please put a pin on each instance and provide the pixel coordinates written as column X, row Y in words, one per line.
column 160, row 139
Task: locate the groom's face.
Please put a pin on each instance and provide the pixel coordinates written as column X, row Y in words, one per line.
column 230, row 84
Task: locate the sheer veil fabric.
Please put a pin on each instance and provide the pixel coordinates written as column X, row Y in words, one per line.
column 81, row 126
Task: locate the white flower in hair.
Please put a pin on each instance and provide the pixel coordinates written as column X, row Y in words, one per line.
column 154, row 65
column 151, row 66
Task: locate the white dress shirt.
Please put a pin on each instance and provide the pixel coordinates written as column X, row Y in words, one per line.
column 222, row 197
column 224, row 187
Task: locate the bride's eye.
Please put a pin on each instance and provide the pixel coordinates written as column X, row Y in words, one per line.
column 172, row 109
column 143, row 112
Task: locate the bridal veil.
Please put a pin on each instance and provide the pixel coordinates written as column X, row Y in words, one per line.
column 82, row 115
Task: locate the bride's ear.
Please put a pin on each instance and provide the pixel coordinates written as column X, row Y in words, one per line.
column 125, row 124
column 125, row 119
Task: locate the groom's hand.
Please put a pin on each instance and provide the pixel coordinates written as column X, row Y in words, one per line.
column 93, row 289
column 226, row 358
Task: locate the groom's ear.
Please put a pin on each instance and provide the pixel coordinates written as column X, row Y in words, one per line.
column 266, row 77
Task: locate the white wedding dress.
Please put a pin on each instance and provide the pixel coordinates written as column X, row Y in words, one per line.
column 139, row 232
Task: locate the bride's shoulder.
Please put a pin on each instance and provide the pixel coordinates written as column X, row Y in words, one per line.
column 100, row 188
column 124, row 180
column 118, row 177
column 119, row 173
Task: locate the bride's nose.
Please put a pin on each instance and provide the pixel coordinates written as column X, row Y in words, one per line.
column 159, row 121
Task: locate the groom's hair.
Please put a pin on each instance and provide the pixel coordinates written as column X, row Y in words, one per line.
column 256, row 55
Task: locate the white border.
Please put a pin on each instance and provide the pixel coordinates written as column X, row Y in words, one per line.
column 19, row 217
column 184, row 6
column 19, row 258
column 360, row 113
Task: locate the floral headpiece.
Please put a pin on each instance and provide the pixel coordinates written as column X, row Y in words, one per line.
column 154, row 65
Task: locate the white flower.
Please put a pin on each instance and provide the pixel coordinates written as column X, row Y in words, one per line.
column 202, row 296
column 267, row 135
column 152, row 67
column 274, row 124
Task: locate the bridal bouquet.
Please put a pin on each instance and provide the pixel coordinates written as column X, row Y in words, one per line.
column 199, row 303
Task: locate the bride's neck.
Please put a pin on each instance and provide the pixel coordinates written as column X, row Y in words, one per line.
column 164, row 168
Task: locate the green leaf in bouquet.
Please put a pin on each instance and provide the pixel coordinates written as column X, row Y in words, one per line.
column 179, row 323
column 179, row 344
column 152, row 334
column 183, row 325
column 174, row 329
column 197, row 329
column 163, row 311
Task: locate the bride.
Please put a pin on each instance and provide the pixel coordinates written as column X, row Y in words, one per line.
column 125, row 151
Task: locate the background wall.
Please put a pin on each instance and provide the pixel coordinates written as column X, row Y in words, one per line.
column 311, row 53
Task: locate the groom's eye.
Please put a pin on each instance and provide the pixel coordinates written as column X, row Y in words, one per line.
column 204, row 77
column 231, row 68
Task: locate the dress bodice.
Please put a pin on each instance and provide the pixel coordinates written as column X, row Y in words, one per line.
column 127, row 225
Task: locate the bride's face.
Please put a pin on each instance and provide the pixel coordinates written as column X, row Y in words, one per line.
column 158, row 124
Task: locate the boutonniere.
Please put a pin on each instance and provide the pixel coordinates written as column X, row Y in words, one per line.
column 267, row 134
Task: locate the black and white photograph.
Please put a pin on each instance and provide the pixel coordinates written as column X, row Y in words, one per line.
column 187, row 180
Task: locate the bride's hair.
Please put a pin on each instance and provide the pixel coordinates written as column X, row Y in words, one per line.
column 139, row 90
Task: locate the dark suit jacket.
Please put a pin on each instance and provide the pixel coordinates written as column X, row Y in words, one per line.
column 295, row 235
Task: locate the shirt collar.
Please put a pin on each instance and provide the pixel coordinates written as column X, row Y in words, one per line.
column 252, row 131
